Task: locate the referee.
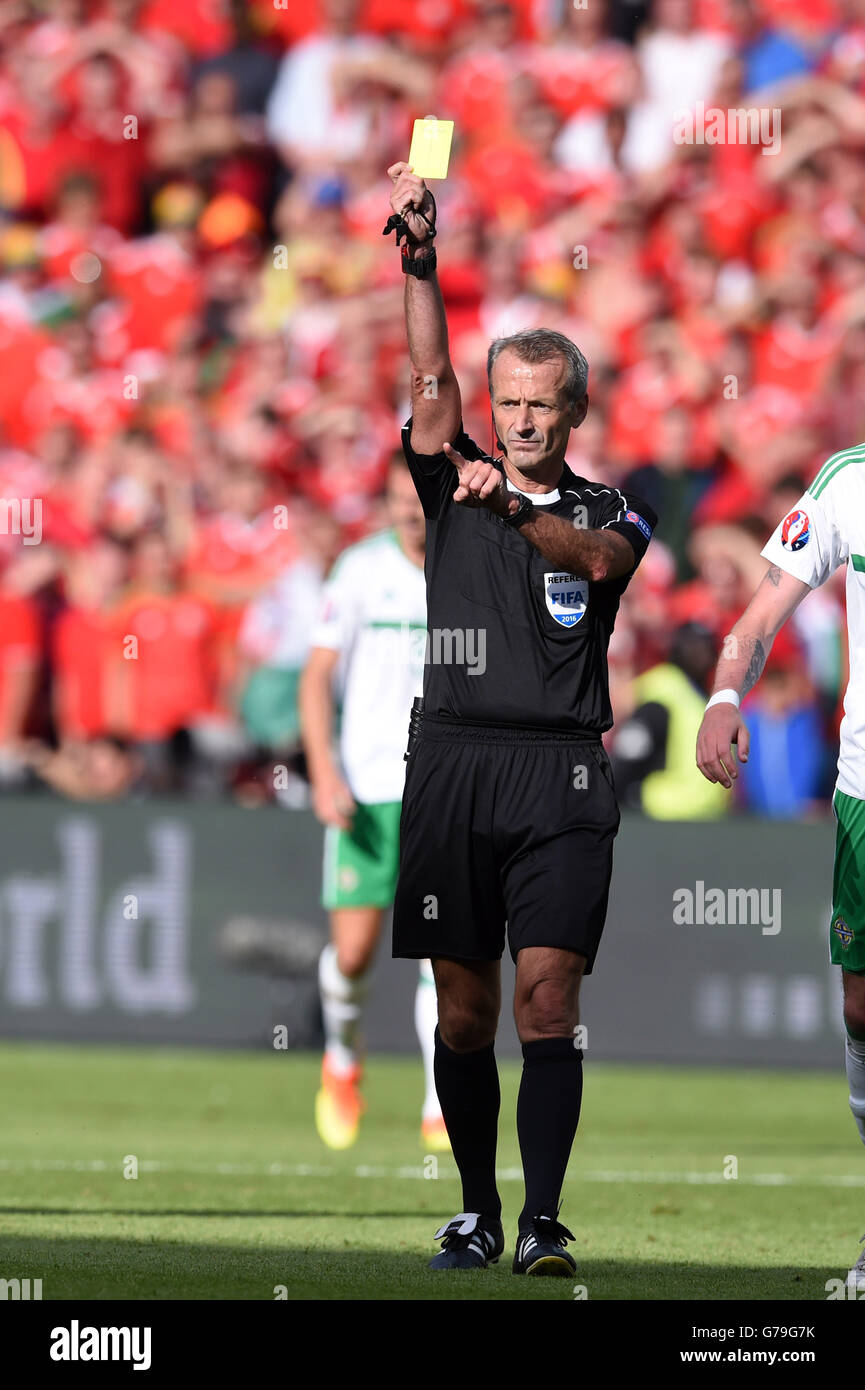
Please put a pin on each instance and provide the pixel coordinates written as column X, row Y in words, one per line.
column 509, row 812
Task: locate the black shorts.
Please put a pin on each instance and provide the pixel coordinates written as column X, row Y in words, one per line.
column 503, row 828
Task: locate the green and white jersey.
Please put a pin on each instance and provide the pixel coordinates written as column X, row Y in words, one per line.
column 374, row 614
column 825, row 529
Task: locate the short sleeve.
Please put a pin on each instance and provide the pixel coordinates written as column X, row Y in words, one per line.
column 632, row 518
column 808, row 543
column 336, row 624
column 434, row 476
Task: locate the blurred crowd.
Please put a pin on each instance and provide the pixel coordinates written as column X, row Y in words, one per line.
column 202, row 351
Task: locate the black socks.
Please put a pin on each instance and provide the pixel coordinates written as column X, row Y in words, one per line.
column 468, row 1090
column 548, row 1111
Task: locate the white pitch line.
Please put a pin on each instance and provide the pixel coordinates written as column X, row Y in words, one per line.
column 636, row 1177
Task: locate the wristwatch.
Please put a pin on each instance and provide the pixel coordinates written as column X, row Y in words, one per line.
column 523, row 513
column 421, row 268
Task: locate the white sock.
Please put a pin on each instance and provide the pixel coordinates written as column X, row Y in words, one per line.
column 856, row 1081
column 426, row 1015
column 341, row 1007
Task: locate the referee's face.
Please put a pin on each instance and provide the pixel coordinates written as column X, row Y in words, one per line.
column 532, row 414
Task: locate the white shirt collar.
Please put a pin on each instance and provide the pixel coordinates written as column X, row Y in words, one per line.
column 540, row 499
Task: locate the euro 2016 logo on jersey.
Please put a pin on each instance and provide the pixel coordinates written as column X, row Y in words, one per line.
column 566, row 597
column 795, row 530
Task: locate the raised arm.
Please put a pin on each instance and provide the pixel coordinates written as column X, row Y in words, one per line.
column 435, row 393
column 745, row 651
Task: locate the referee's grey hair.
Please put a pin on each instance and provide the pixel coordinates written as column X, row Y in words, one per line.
column 542, row 345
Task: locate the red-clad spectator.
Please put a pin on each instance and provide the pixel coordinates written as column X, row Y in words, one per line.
column 162, row 672
column 84, row 644
column 20, row 655
column 234, row 556
column 334, row 91
column 73, row 387
column 582, row 69
column 200, row 27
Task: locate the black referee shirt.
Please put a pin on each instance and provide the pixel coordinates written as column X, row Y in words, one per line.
column 512, row 641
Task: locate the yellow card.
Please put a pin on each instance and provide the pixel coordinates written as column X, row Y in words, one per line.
column 431, row 148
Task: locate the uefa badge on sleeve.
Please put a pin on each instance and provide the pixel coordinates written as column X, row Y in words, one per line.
column 795, row 530
column 640, row 523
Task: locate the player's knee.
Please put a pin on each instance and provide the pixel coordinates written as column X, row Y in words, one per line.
column 547, row 1009
column 854, row 1007
column 466, row 1030
column 854, row 1019
column 354, row 960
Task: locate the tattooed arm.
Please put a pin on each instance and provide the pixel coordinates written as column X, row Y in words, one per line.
column 755, row 667
column 743, row 657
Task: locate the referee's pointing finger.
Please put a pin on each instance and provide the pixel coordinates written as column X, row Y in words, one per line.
column 461, row 465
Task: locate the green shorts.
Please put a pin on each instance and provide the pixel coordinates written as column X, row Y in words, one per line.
column 847, row 931
column 269, row 707
column 360, row 864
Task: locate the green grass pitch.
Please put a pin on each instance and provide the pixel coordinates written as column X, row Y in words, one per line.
column 236, row 1198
